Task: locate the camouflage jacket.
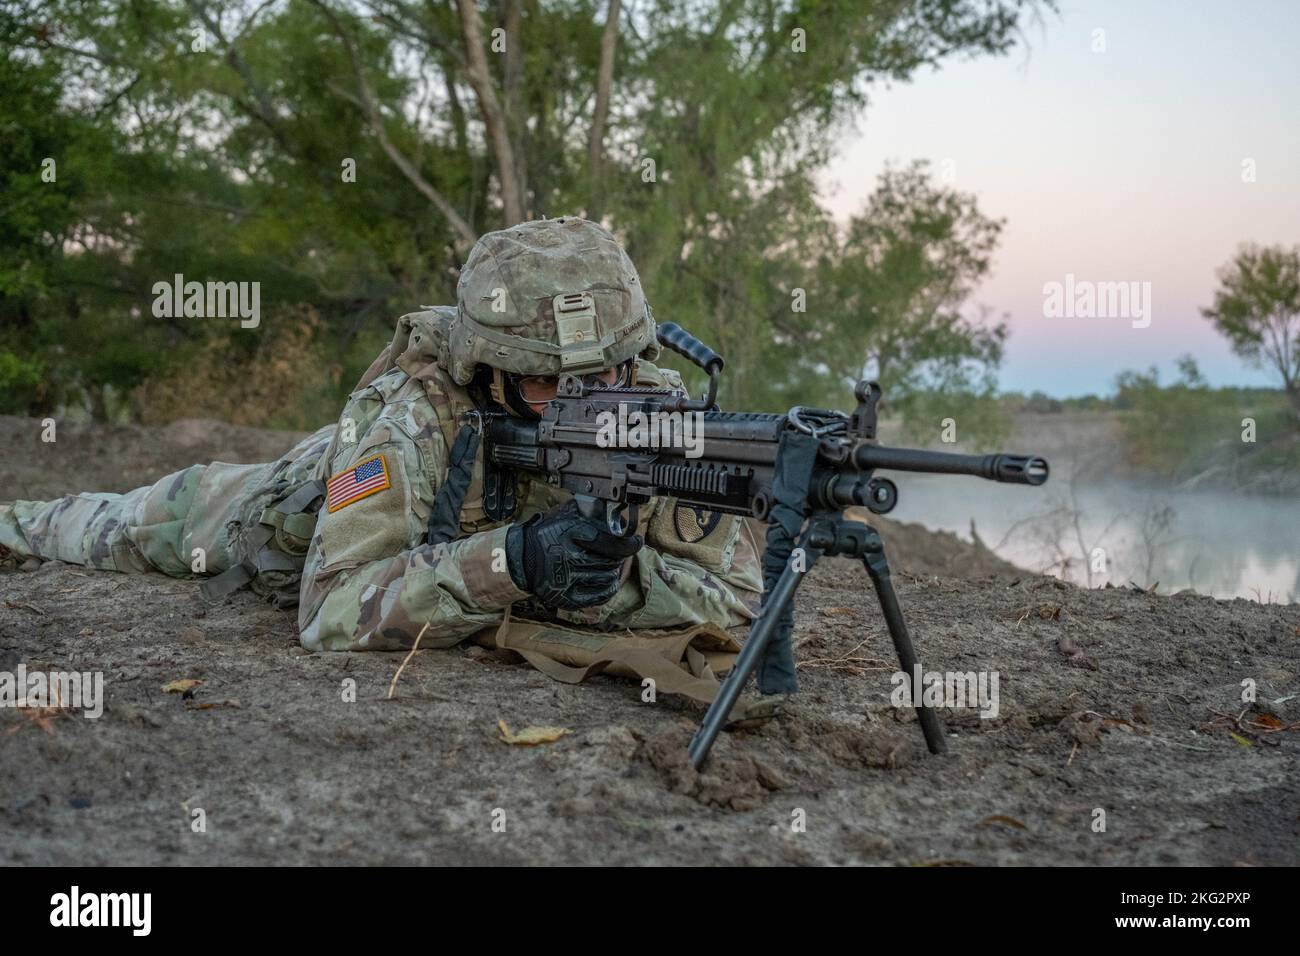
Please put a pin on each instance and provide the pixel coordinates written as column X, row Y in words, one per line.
column 371, row 582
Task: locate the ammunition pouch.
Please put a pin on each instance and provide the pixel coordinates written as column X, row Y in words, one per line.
column 269, row 558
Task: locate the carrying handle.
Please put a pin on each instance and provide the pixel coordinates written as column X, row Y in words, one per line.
column 673, row 336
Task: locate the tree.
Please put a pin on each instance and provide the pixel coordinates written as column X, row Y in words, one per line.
column 894, row 302
column 62, row 247
column 694, row 130
column 1257, row 308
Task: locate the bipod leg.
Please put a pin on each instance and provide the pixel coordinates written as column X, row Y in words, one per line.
column 878, row 568
column 761, row 633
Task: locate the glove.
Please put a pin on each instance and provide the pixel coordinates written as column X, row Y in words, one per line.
column 567, row 560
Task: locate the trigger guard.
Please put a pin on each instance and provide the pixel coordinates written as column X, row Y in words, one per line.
column 620, row 518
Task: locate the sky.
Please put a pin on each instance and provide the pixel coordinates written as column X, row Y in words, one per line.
column 1127, row 163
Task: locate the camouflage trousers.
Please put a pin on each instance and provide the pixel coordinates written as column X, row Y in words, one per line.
column 190, row 522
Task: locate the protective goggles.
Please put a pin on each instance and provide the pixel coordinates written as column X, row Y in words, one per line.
column 540, row 389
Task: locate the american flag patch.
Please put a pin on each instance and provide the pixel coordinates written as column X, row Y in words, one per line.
column 356, row 483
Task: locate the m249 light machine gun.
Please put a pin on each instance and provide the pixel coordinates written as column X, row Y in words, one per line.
column 796, row 471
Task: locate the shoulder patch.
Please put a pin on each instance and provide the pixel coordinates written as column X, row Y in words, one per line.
column 360, row 481
column 694, row 524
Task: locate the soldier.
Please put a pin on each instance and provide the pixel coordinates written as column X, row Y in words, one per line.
column 375, row 527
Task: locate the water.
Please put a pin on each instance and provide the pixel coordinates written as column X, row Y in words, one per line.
column 1225, row 545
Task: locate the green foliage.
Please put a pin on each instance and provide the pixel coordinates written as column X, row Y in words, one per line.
column 892, row 304
column 20, row 382
column 979, row 421
column 1187, row 429
column 227, row 164
column 1257, row 308
column 1043, row 404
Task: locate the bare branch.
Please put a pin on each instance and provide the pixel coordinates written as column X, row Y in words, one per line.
column 262, row 110
column 604, row 80
column 374, row 119
column 514, row 72
column 480, row 80
column 407, row 23
column 44, row 43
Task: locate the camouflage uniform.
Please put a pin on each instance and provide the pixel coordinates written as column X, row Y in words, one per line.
column 368, row 579
column 191, row 522
column 371, row 582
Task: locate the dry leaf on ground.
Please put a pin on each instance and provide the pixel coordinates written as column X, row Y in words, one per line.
column 530, row 736
column 181, row 686
column 1003, row 819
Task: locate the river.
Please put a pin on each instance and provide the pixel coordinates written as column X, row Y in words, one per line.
column 1222, row 544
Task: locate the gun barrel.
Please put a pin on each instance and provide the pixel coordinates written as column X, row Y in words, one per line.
column 1013, row 469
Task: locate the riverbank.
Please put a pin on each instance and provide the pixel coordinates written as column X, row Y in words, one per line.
column 1119, row 736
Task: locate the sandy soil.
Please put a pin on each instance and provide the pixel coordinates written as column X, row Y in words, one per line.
column 1108, row 701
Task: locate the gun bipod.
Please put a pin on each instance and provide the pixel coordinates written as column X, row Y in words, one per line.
column 825, row 533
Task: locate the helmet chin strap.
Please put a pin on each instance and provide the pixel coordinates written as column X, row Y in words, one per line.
column 498, row 387
column 490, row 388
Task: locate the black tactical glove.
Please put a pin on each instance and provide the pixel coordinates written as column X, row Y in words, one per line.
column 567, row 560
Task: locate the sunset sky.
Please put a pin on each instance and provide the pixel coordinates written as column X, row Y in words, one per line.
column 1123, row 165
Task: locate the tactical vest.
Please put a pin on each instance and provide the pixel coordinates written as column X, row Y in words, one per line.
column 268, row 542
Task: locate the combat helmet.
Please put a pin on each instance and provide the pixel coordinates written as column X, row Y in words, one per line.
column 549, row 297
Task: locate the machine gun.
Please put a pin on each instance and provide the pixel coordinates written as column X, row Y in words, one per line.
column 796, row 471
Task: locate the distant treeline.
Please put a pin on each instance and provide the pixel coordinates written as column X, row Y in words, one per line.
column 1188, row 432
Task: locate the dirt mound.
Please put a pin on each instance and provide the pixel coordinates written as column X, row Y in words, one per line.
column 915, row 549
column 1115, row 701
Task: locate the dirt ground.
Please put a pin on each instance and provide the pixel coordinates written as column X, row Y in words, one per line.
column 1109, row 701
